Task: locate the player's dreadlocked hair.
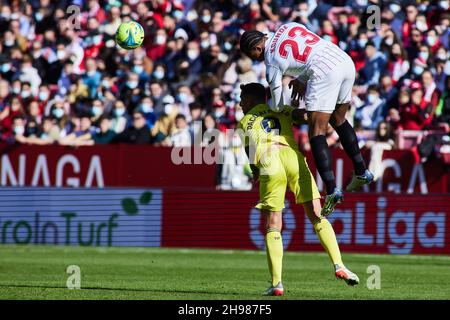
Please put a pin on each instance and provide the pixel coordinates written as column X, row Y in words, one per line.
column 249, row 39
column 255, row 90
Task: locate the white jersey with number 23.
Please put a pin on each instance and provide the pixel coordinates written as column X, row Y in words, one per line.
column 326, row 69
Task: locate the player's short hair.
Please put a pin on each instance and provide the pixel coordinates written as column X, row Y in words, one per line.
column 255, row 90
column 250, row 39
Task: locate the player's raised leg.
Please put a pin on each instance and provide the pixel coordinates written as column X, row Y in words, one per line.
column 274, row 251
column 318, row 123
column 327, row 237
column 349, row 141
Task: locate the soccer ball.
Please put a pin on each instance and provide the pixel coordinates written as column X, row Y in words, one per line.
column 130, row 35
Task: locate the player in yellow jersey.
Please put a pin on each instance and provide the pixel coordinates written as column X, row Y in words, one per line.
column 277, row 163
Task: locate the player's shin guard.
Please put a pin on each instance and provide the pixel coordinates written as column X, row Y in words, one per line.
column 274, row 250
column 323, row 160
column 327, row 237
column 349, row 142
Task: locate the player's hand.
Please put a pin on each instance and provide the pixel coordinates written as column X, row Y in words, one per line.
column 298, row 89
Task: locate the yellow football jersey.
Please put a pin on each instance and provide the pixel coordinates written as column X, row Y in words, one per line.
column 261, row 127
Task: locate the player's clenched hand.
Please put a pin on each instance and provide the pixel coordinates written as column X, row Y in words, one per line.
column 298, row 89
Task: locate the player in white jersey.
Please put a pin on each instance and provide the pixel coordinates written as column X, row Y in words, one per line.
column 324, row 77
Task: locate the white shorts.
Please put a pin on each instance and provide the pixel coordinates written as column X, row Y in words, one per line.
column 331, row 84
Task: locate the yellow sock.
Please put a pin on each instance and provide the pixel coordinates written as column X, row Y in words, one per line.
column 274, row 249
column 325, row 232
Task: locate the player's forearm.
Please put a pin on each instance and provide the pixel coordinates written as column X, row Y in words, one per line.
column 274, row 78
column 277, row 104
column 299, row 116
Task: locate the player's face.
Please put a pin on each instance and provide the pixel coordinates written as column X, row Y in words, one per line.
column 257, row 54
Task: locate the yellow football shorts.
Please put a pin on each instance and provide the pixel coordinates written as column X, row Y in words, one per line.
column 284, row 167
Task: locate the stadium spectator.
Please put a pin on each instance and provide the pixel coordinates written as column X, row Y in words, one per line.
column 104, row 134
column 373, row 110
column 416, row 114
column 138, row 133
column 52, row 74
column 79, row 136
column 374, row 67
column 383, row 141
column 181, row 137
column 120, row 118
column 195, row 125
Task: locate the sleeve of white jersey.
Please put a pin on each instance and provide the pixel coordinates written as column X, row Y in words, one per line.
column 275, row 79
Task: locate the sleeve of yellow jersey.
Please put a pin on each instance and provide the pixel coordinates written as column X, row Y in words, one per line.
column 288, row 111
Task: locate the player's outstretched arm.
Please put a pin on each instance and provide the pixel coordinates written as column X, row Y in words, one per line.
column 253, row 167
column 274, row 78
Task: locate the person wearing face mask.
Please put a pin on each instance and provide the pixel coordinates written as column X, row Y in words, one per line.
column 204, row 19
column 431, row 94
column 63, row 124
column 119, row 117
column 130, row 92
column 58, row 113
column 25, row 95
column 222, row 115
column 92, row 78
column 417, row 69
column 158, row 47
column 146, row 107
column 96, row 111
column 193, row 56
column 373, row 110
column 18, row 130
column 388, row 41
column 30, row 74
column 44, row 94
column 185, row 97
column 398, row 63
column 421, row 23
column 432, row 40
column 139, row 67
column 7, row 69
column 159, row 73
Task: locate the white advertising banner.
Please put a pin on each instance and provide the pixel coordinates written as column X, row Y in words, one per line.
column 82, row 216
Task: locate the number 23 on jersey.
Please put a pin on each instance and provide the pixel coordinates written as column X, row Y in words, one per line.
column 295, row 32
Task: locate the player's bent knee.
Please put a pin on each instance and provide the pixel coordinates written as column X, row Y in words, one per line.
column 274, row 220
column 313, row 210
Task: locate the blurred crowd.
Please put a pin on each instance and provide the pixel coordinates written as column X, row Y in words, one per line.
column 63, row 79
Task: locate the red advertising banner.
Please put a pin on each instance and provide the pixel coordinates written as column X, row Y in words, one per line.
column 373, row 223
column 99, row 166
column 149, row 166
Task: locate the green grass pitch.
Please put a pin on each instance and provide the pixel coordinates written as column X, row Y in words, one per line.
column 39, row 272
